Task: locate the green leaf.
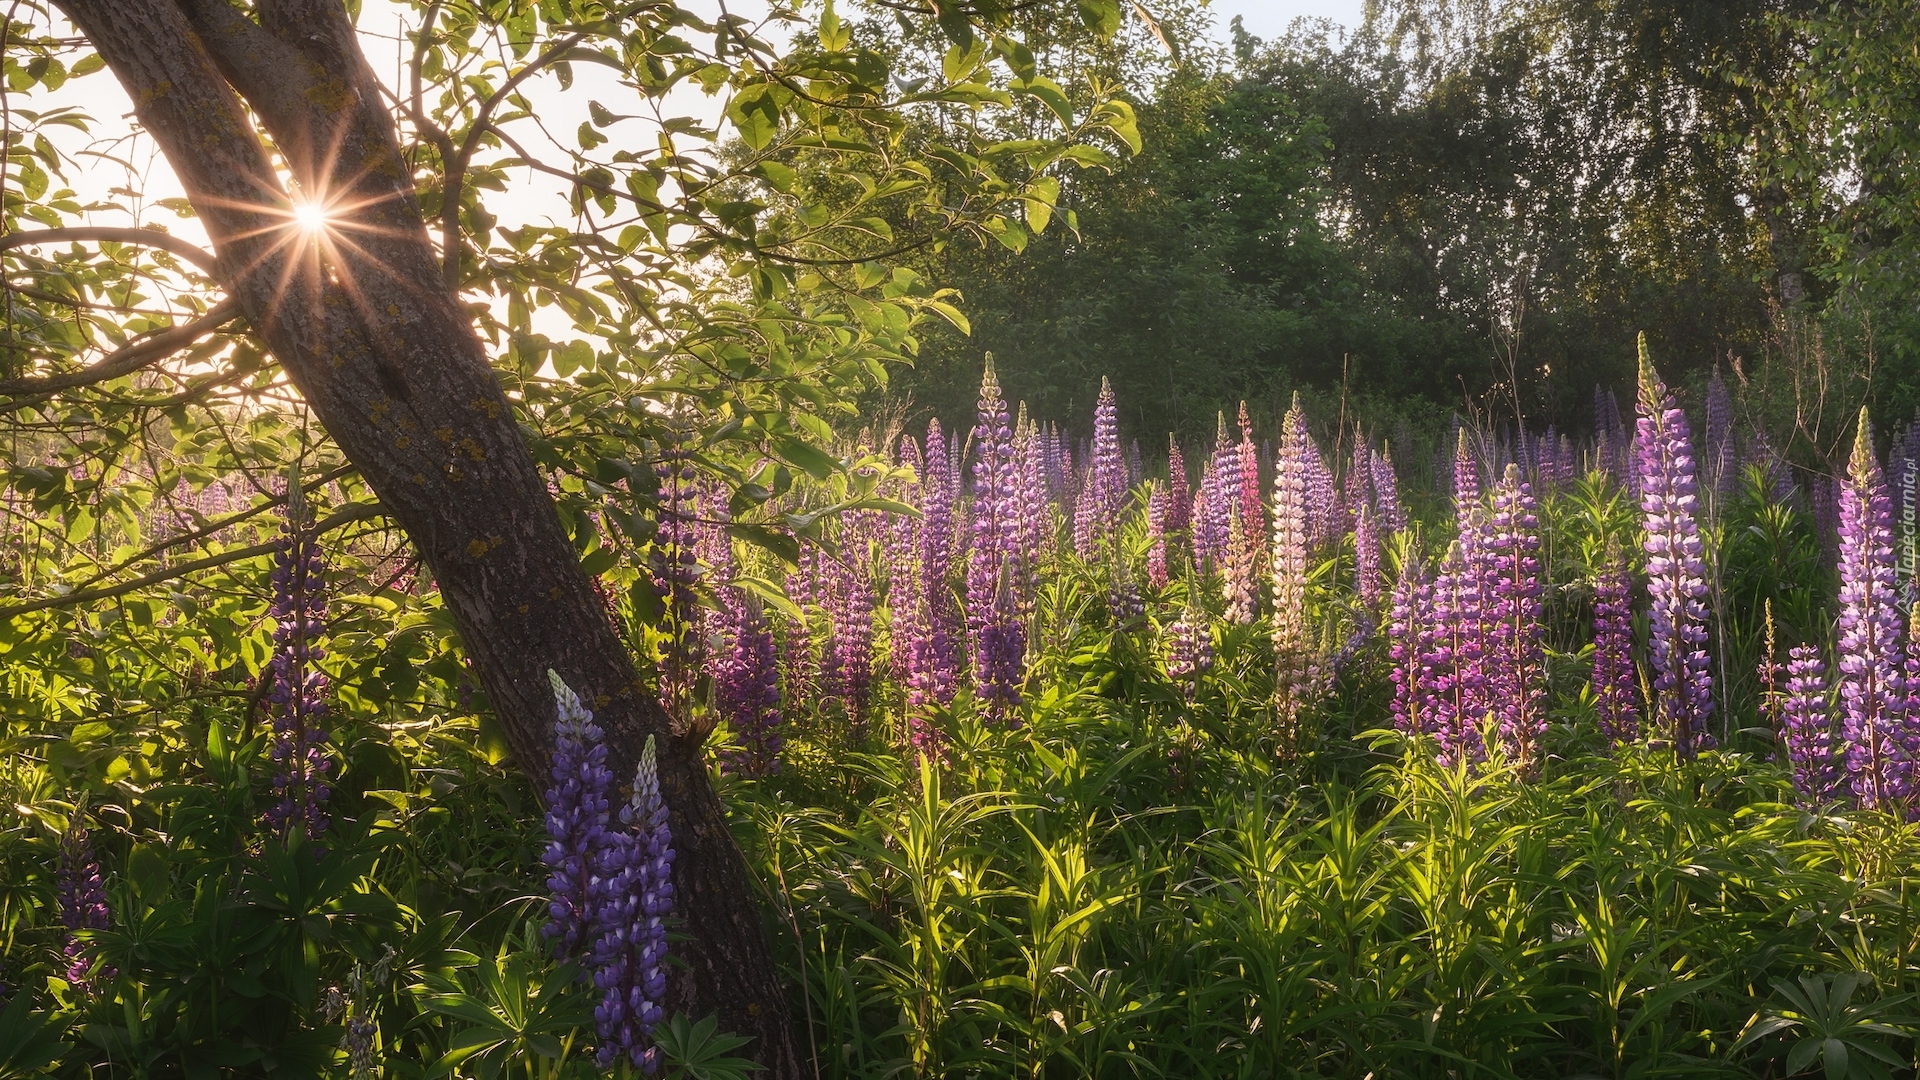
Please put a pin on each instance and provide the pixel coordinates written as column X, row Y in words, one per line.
column 1100, row 16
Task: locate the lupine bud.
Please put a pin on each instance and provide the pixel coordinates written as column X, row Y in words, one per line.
column 1615, row 698
column 1683, row 693
column 1806, row 728
column 1871, row 650
column 297, row 693
column 83, row 902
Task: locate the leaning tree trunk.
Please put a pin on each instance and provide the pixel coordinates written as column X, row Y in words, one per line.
column 381, row 349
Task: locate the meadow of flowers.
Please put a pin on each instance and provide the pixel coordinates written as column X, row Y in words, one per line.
column 1490, row 753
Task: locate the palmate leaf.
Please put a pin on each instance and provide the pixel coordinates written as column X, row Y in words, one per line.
column 30, row 1039
column 701, row 1051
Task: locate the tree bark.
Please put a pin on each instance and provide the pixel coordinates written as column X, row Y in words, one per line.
column 383, row 352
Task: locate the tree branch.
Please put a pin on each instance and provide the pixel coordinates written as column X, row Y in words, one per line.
column 128, row 358
column 152, row 238
column 344, row 516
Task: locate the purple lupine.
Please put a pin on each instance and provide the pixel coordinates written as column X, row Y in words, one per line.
column 1189, row 644
column 1470, row 584
column 1410, row 646
column 1516, row 659
column 1456, row 665
column 1296, row 671
column 1613, row 448
column 83, row 901
column 1616, row 701
column 674, row 560
column 1676, row 581
column 1356, row 486
column 1212, row 505
column 1721, row 466
column 1323, row 497
column 1157, row 536
column 1367, row 581
column 1032, row 520
column 1870, row 653
column 1179, row 501
column 746, row 688
column 1085, row 499
column 799, row 669
column 1806, row 729
column 849, row 673
column 992, row 615
column 297, row 693
column 903, row 575
column 1000, row 663
column 578, row 840
column 1386, row 492
column 935, row 651
column 629, row 956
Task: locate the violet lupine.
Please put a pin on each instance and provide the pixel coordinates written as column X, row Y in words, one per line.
column 1109, row 479
column 1296, row 671
column 675, row 562
column 1410, row 646
column 992, row 615
column 1323, row 500
column 1386, row 492
column 1456, row 665
column 1212, row 504
column 83, row 901
column 629, row 957
column 799, row 669
column 1367, row 580
column 1356, row 487
column 1084, row 514
column 1676, row 572
column 746, row 688
column 1189, row 644
column 1157, row 505
column 297, row 693
column 1516, row 654
column 935, row 651
column 1870, row 652
column 578, row 839
column 1469, row 584
column 1179, row 501
column 1032, row 520
column 1806, row 728
column 1616, row 701
column 851, row 667
column 903, row 576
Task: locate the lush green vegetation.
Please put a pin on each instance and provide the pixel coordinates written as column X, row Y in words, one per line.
column 684, row 402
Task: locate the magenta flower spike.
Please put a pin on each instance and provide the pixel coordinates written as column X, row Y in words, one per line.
column 1676, row 581
column 1211, row 505
column 1457, row 664
column 1296, row 673
column 1517, row 657
column 1179, row 499
column 1806, row 727
column 1386, row 492
column 1253, row 509
column 1615, row 695
column 1871, row 647
column 83, row 902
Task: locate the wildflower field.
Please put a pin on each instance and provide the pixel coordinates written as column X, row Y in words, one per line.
column 1495, row 754
column 518, row 560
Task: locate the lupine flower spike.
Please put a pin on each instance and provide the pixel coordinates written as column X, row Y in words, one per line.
column 577, row 815
column 83, row 901
column 1518, row 659
column 1614, row 689
column 1189, row 644
column 1297, row 671
column 1805, row 727
column 1870, row 652
column 630, row 957
column 1683, row 693
column 298, row 690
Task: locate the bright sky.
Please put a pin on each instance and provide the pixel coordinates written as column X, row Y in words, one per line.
column 1269, row 18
